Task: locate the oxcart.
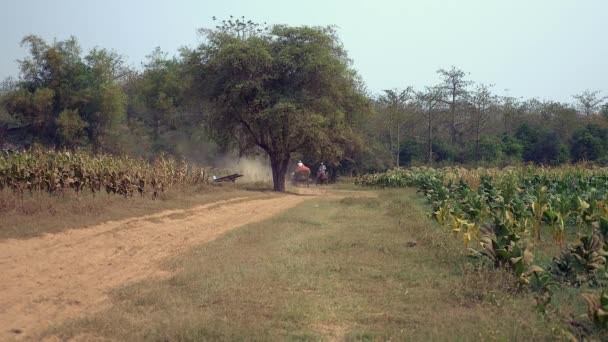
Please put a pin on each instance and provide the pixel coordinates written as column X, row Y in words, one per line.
column 301, row 177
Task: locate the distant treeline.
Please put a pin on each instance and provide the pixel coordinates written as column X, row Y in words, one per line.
column 70, row 99
column 458, row 121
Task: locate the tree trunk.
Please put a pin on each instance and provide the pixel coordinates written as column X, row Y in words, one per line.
column 430, row 139
column 453, row 130
column 398, row 128
column 279, row 164
column 477, row 142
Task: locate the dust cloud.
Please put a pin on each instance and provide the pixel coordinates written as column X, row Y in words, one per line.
column 253, row 169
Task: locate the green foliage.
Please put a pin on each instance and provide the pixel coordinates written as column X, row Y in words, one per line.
column 604, row 111
column 590, row 143
column 108, row 117
column 541, row 145
column 512, row 206
column 33, row 108
column 502, row 245
column 400, row 178
column 410, row 150
column 514, row 203
column 583, row 263
column 443, row 151
column 282, row 90
column 597, row 308
column 62, row 96
column 157, row 99
column 512, row 147
column 279, row 90
column 490, row 149
column 71, row 128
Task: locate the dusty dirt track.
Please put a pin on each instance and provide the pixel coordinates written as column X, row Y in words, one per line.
column 49, row 279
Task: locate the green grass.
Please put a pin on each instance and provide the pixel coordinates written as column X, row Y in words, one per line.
column 358, row 269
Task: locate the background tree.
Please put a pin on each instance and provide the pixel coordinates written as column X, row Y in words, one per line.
column 455, row 89
column 157, row 100
column 376, row 152
column 103, row 100
column 489, row 149
column 511, row 113
column 71, row 128
column 589, row 102
column 483, row 107
column 512, row 149
column 397, row 110
column 429, row 101
column 280, row 91
column 604, row 111
column 590, row 143
column 61, row 94
column 541, row 145
column 560, row 118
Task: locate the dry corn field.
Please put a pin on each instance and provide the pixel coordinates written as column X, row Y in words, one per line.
column 56, row 172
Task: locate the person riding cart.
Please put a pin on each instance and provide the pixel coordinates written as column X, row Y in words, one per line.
column 302, row 168
column 302, row 174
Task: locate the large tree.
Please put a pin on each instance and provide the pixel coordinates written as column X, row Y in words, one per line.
column 278, row 90
column 63, row 98
column 156, row 99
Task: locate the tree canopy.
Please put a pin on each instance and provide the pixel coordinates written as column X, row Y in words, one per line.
column 279, row 91
column 64, row 98
column 283, row 92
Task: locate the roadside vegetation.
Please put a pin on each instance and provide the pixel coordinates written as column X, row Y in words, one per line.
column 43, row 191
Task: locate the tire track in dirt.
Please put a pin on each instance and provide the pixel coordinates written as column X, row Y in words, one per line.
column 48, row 279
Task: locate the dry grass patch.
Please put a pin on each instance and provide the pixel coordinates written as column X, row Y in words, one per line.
column 330, row 269
column 34, row 214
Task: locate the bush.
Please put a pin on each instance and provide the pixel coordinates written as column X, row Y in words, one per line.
column 512, row 148
column 541, row 145
column 443, row 151
column 590, row 143
column 490, row 149
column 411, row 150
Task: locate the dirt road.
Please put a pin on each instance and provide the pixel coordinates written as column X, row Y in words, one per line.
column 49, row 279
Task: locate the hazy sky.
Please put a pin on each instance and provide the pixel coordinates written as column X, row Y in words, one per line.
column 549, row 49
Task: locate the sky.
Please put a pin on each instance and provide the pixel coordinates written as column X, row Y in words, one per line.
column 548, row 49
